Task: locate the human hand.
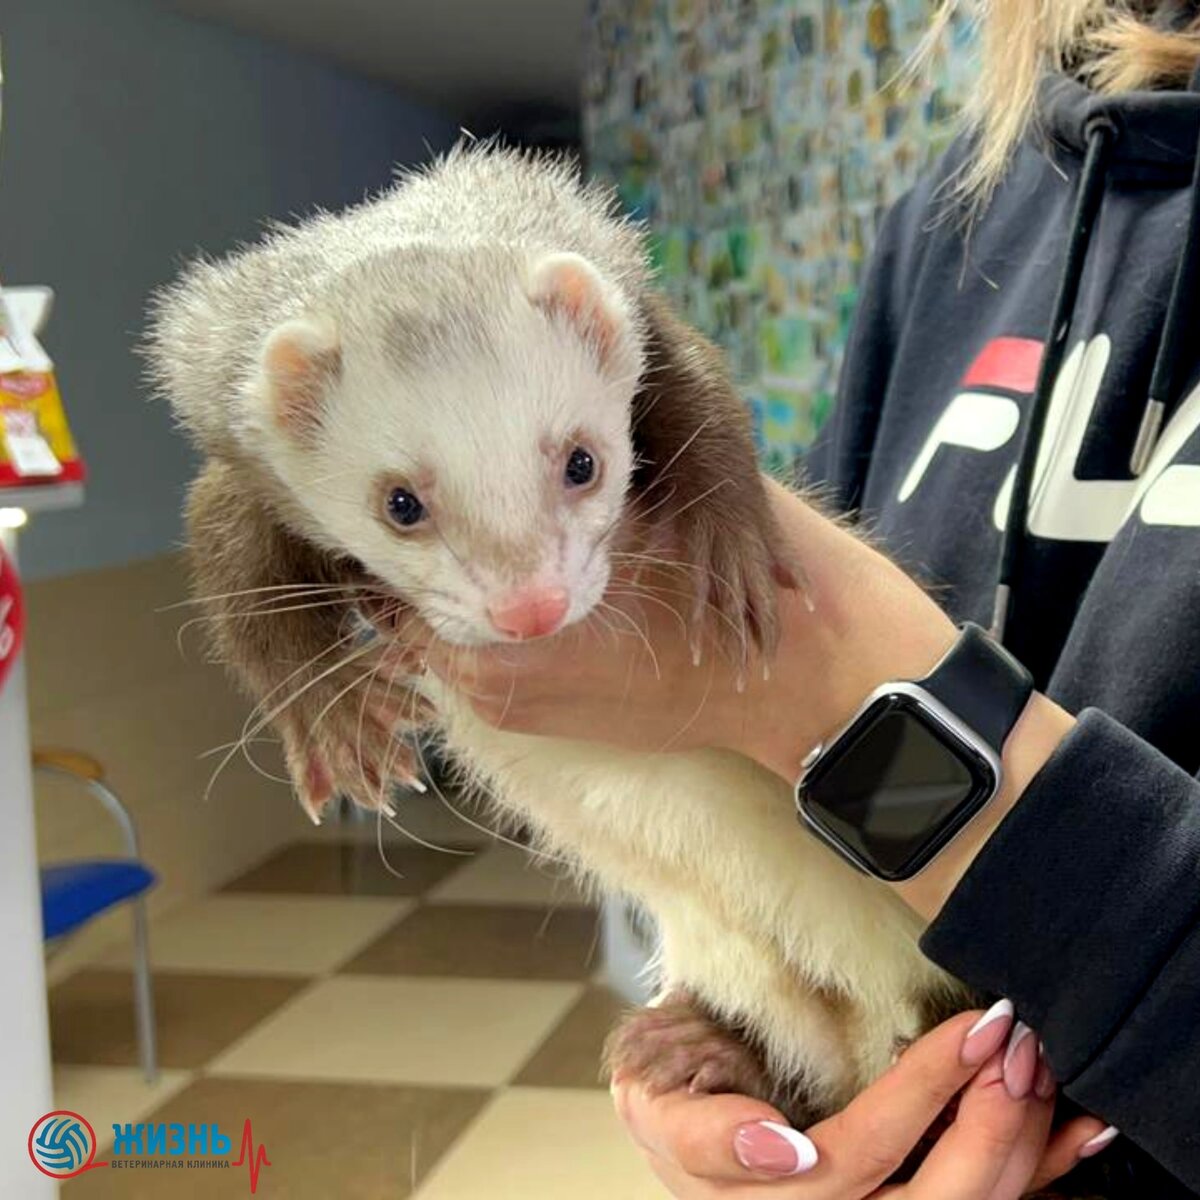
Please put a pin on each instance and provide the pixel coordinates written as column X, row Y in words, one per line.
column 706, row 1147
column 628, row 676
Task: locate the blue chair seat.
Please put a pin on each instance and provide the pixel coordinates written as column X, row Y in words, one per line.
column 75, row 892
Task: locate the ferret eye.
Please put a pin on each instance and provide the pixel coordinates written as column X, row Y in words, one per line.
column 580, row 469
column 404, row 508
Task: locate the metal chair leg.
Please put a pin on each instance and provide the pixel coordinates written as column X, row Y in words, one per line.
column 143, row 993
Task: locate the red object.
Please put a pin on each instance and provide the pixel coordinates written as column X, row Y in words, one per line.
column 1009, row 363
column 12, row 616
column 72, row 472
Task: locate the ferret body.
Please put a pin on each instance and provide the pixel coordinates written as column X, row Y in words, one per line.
column 398, row 405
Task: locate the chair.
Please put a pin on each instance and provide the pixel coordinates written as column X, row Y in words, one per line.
column 73, row 893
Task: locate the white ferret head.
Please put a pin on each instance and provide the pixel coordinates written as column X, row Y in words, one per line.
column 468, row 440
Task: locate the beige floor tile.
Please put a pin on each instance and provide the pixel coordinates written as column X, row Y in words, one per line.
column 323, row 1141
column 534, row 1144
column 466, row 1033
column 267, row 935
column 349, row 868
column 107, row 1096
column 508, row 875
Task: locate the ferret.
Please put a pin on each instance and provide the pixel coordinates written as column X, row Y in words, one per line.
column 462, row 402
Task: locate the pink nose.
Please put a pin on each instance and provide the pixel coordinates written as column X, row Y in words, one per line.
column 530, row 612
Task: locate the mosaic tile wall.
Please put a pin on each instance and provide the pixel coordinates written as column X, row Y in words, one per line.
column 762, row 140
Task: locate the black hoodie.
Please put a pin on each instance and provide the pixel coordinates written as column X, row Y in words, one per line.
column 1083, row 907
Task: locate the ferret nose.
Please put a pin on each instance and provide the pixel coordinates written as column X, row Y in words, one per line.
column 530, row 612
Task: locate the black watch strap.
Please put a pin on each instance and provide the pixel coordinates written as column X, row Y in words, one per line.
column 982, row 684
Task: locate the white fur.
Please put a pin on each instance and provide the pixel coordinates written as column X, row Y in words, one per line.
column 754, row 913
column 451, row 371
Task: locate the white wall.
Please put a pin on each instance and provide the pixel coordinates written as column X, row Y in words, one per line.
column 132, row 137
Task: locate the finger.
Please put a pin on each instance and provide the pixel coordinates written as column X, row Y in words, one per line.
column 973, row 1155
column 683, row 1186
column 869, row 1139
column 1062, row 1152
column 725, row 1138
column 1017, row 1176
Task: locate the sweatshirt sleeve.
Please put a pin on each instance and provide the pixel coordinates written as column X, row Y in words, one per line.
column 1082, row 909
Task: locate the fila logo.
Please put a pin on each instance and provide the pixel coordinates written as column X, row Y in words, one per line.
column 1062, row 506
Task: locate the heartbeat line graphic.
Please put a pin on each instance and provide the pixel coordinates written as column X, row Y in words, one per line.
column 254, row 1157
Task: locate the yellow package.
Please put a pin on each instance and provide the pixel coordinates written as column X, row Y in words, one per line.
column 36, row 446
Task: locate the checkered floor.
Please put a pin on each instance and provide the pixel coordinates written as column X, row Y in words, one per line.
column 433, row 1033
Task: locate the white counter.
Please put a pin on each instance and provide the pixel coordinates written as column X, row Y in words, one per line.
column 25, row 1091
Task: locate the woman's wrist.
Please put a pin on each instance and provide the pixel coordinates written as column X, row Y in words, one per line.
column 862, row 622
column 871, row 624
column 1035, row 737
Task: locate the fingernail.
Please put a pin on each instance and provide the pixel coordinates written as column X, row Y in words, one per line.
column 1020, row 1061
column 1088, row 1149
column 1043, row 1084
column 773, row 1149
column 987, row 1035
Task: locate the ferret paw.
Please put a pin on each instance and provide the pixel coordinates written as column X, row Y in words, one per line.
column 676, row 1045
column 346, row 747
column 735, row 575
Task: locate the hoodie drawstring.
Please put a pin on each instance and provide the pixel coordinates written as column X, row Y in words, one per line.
column 1166, row 382
column 1100, row 135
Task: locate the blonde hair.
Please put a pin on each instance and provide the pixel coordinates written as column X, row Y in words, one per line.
column 1103, row 42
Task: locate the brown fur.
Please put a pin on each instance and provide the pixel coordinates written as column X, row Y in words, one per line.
column 718, row 506
column 240, row 541
column 697, row 478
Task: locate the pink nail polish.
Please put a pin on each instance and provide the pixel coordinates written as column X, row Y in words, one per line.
column 773, row 1149
column 1099, row 1142
column 987, row 1035
column 1020, row 1061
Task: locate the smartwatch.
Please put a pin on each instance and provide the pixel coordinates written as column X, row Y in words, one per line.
column 917, row 761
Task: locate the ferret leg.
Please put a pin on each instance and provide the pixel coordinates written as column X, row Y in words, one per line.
column 677, row 1044
column 282, row 616
column 699, row 476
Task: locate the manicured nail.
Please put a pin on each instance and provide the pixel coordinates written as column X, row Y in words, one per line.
column 773, row 1149
column 987, row 1034
column 1088, row 1149
column 1043, row 1084
column 1020, row 1061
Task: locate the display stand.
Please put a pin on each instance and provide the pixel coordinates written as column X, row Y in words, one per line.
column 26, row 1091
column 25, row 1087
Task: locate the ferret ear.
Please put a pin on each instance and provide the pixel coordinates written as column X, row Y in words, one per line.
column 300, row 359
column 567, row 285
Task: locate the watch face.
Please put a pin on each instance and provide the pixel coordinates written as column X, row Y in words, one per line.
column 895, row 787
